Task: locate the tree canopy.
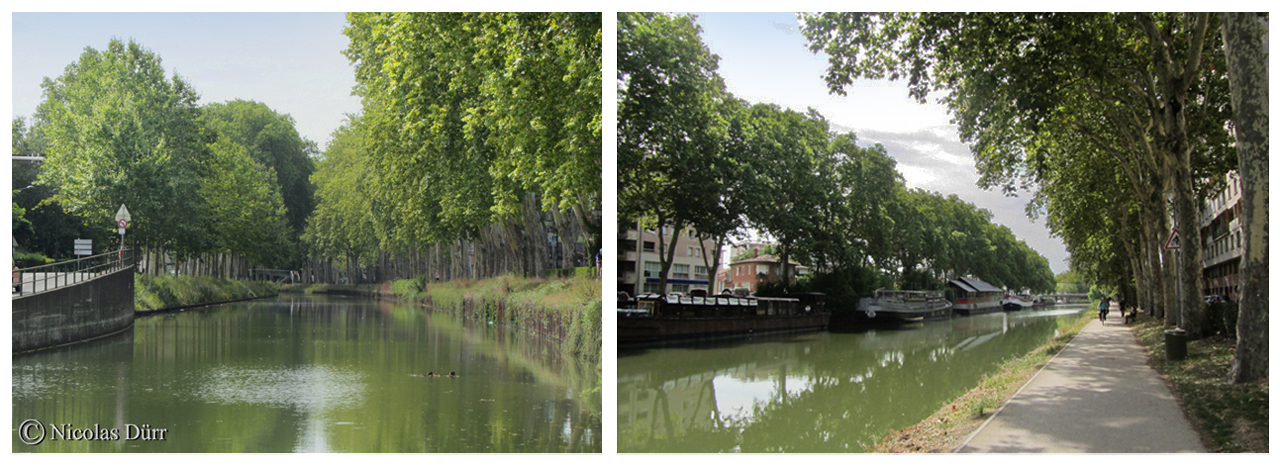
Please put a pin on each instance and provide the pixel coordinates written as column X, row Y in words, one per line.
column 120, row 132
column 692, row 155
column 468, row 113
column 1144, row 102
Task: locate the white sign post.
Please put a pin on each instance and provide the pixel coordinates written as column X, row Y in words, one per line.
column 122, row 221
column 84, row 247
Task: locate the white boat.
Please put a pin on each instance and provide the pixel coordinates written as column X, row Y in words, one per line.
column 904, row 306
column 1015, row 303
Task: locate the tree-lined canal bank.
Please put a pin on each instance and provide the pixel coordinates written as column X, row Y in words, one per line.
column 304, row 373
column 815, row 392
column 567, row 311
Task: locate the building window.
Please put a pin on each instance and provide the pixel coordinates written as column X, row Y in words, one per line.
column 679, row 288
column 648, row 246
column 653, row 269
column 680, row 271
column 700, row 272
column 651, row 288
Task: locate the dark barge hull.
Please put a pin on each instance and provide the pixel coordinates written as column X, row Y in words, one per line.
column 657, row 330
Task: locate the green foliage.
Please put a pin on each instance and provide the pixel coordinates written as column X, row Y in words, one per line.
column 1098, row 133
column 249, row 215
column 119, row 132
column 167, row 291
column 465, row 113
column 676, row 164
column 689, row 154
column 567, row 310
column 843, row 286
column 30, row 259
column 52, row 230
column 343, row 223
column 271, row 141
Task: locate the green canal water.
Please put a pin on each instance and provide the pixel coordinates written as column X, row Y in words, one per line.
column 304, row 374
column 813, row 392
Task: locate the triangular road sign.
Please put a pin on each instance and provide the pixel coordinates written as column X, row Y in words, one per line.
column 123, row 214
column 1175, row 241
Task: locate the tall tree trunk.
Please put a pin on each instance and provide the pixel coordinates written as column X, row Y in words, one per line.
column 1246, row 41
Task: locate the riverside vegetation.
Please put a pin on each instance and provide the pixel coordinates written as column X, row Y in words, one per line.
column 1230, row 418
column 567, row 310
column 167, row 291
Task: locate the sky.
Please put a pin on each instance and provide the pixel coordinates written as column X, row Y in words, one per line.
column 765, row 59
column 292, row 62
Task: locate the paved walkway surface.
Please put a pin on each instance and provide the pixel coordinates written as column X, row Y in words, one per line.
column 1097, row 396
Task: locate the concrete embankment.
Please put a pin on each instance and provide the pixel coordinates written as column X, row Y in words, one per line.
column 91, row 309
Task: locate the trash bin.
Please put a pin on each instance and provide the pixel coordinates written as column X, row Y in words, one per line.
column 1175, row 344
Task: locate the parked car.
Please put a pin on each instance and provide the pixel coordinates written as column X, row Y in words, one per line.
column 1215, row 299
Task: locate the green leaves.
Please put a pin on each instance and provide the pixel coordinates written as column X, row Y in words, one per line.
column 120, row 132
column 466, row 113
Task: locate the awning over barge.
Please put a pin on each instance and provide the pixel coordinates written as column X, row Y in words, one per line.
column 973, row 285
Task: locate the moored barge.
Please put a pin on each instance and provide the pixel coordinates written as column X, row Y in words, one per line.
column 972, row 296
column 902, row 306
column 653, row 319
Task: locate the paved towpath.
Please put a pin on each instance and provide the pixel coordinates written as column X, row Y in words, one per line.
column 1097, row 396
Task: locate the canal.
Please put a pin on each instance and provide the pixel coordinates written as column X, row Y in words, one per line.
column 813, row 392
column 310, row 374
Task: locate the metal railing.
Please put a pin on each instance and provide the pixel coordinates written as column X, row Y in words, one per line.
column 48, row 277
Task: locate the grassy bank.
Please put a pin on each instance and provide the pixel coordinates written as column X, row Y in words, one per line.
column 166, row 291
column 1229, row 418
column 953, row 422
column 567, row 310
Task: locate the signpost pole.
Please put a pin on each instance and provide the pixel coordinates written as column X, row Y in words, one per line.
column 122, row 221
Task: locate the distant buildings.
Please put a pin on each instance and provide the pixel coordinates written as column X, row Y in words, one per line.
column 754, row 263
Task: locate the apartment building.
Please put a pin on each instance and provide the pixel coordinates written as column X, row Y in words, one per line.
column 1223, row 240
column 640, row 266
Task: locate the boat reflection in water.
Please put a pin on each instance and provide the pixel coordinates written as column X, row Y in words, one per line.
column 814, row 392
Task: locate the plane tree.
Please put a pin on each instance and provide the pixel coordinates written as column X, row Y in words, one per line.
column 1244, row 36
column 120, row 132
column 671, row 130
column 272, row 140
column 1007, row 74
column 481, row 127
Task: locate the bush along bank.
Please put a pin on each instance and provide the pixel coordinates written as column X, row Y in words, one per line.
column 943, row 431
column 1229, row 417
column 566, row 310
column 155, row 293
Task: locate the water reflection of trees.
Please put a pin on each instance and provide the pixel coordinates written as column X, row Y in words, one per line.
column 825, row 392
column 320, row 375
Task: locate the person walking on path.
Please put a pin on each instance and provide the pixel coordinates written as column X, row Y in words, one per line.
column 1096, row 396
column 1103, row 307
